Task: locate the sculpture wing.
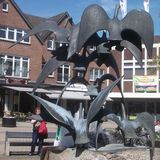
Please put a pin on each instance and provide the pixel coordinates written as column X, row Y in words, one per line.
column 99, row 100
column 72, row 81
column 94, row 18
column 45, row 26
column 115, row 119
column 134, row 50
column 137, row 26
column 127, row 127
column 147, row 121
column 112, row 78
column 48, row 68
column 62, row 116
column 73, row 41
column 104, row 58
column 108, row 60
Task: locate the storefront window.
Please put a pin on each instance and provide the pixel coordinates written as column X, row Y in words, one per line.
column 14, row 66
column 150, row 107
column 135, row 107
column 158, row 107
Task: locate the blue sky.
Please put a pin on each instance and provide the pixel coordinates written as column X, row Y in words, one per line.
column 48, row 8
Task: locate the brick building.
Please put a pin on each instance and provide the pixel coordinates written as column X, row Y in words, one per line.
column 21, row 65
column 140, row 85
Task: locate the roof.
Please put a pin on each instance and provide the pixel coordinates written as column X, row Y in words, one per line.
column 156, row 39
column 27, row 89
column 78, row 95
column 35, row 20
column 24, row 18
column 58, row 19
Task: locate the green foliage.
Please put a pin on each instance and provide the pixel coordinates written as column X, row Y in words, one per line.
column 153, row 65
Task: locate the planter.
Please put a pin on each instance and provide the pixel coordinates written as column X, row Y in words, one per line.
column 8, row 122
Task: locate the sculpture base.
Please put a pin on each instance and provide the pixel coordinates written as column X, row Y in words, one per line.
column 53, row 154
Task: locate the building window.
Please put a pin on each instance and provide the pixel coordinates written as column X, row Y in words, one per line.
column 51, row 75
column 13, row 66
column 3, row 32
column 135, row 108
column 50, row 44
column 131, row 68
column 139, row 71
column 11, row 34
column 5, row 7
column 63, row 73
column 95, row 73
column 43, row 64
column 128, row 73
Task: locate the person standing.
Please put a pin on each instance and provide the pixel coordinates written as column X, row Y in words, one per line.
column 35, row 135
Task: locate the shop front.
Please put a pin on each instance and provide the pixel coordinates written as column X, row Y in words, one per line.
column 137, row 103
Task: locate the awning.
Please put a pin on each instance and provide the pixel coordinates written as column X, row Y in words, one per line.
column 27, row 89
column 77, row 95
column 130, row 95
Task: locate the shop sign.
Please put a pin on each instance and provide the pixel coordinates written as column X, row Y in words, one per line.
column 145, row 83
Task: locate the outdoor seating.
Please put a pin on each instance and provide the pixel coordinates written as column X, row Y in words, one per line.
column 23, row 139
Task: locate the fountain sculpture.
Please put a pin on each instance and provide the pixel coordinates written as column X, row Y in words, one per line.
column 127, row 33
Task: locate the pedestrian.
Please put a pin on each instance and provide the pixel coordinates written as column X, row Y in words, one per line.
column 157, row 127
column 36, row 137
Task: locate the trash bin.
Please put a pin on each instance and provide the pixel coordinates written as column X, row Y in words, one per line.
column 8, row 122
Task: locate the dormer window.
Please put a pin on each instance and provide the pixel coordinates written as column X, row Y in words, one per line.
column 5, row 7
column 51, row 44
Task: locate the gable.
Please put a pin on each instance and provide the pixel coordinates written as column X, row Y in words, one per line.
column 14, row 17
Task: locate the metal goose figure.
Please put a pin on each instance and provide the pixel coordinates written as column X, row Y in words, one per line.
column 81, row 63
column 102, row 114
column 77, row 128
column 122, row 34
column 128, row 129
column 99, row 82
column 125, row 33
column 84, row 33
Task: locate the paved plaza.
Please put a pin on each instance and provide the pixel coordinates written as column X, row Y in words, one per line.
column 26, row 126
column 20, row 127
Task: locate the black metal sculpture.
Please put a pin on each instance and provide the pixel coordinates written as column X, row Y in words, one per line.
column 78, row 129
column 126, row 33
